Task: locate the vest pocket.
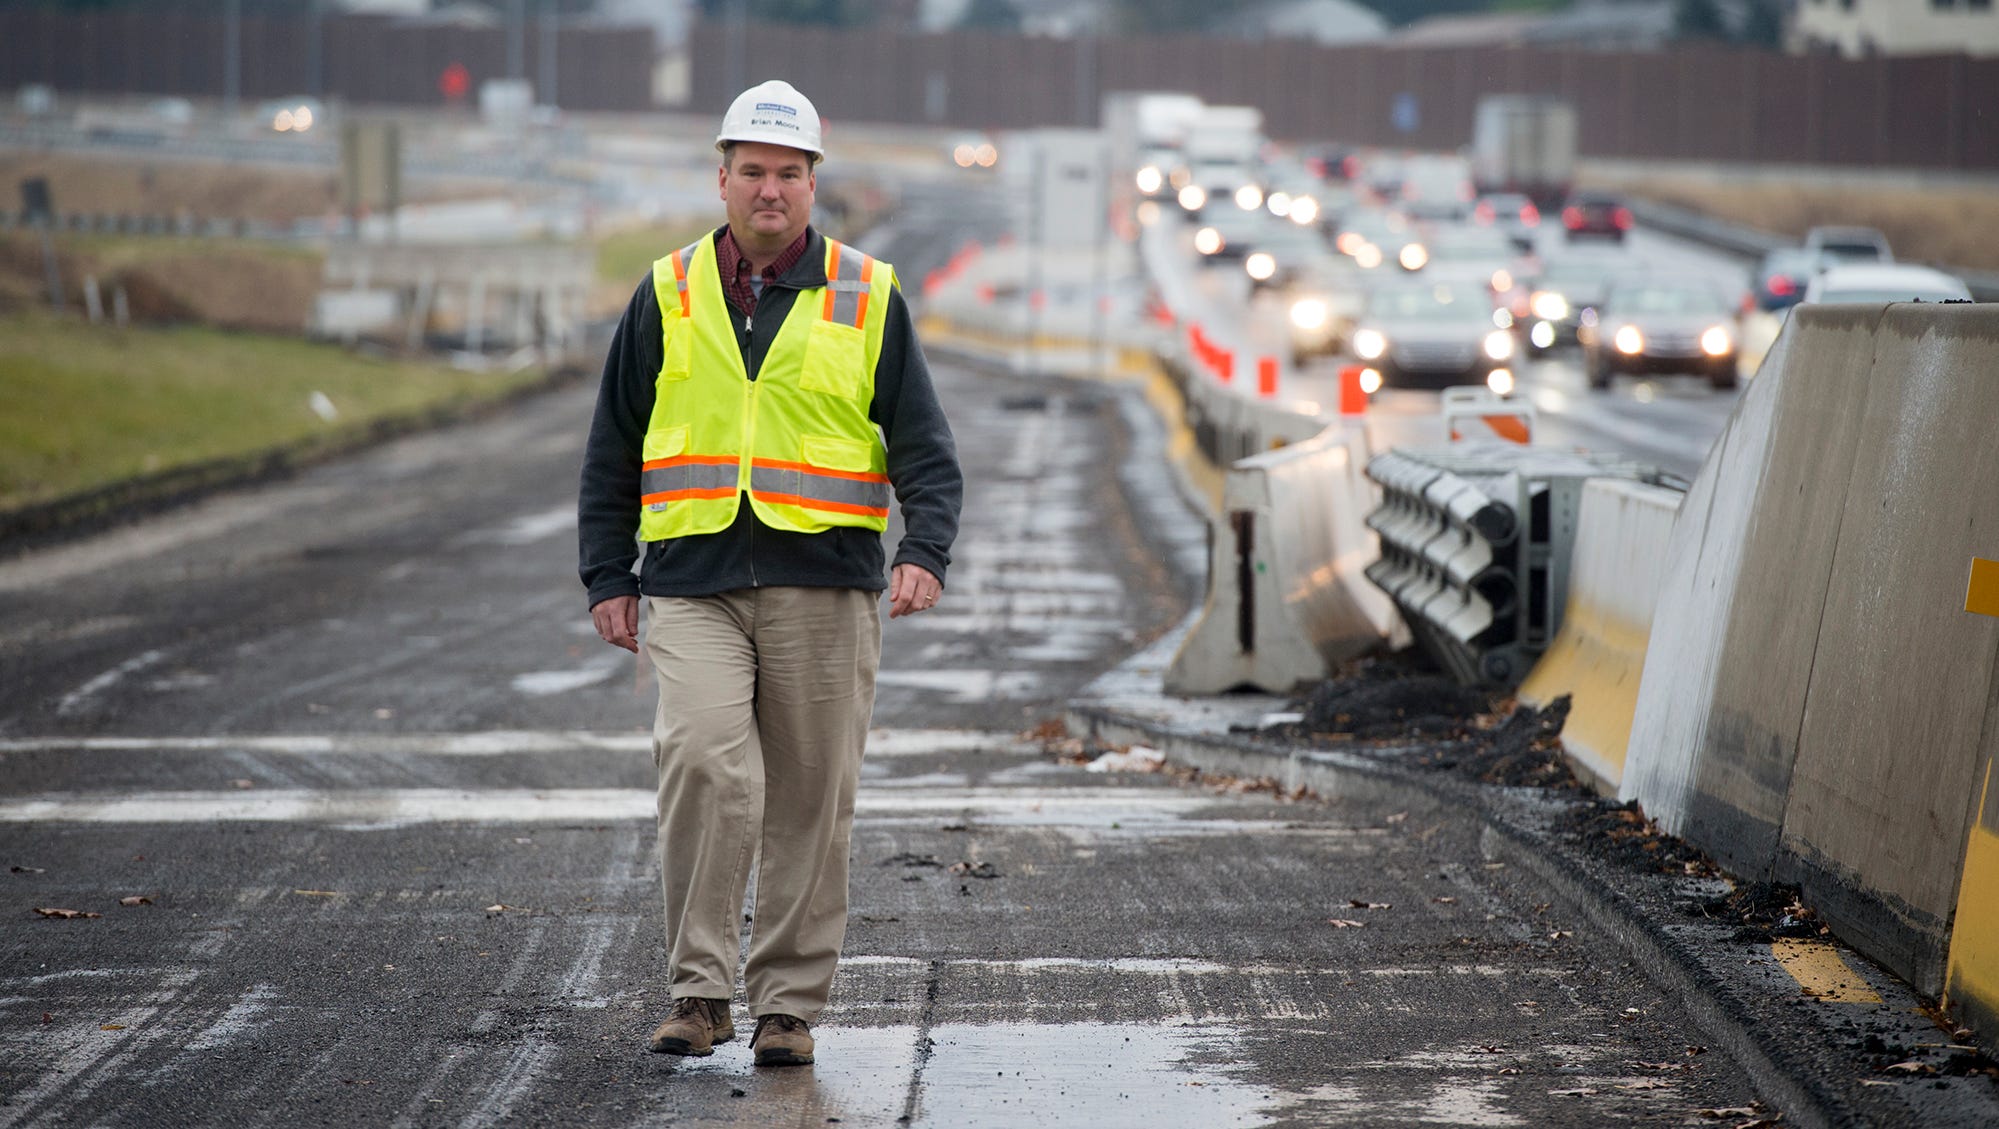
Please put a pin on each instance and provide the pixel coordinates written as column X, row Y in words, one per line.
column 834, row 355
column 665, row 442
column 831, row 453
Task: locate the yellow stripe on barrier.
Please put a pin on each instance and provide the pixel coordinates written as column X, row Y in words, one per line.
column 1981, row 593
column 1972, row 976
column 1822, row 973
column 1597, row 660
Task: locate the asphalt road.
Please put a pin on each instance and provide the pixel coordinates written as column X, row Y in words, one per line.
column 387, row 799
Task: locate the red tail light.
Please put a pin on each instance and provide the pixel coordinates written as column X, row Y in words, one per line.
column 1530, row 215
column 1622, row 218
column 1572, row 217
column 1782, row 285
column 1482, row 213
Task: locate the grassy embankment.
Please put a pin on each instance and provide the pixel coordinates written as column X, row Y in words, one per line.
column 213, row 368
column 83, row 407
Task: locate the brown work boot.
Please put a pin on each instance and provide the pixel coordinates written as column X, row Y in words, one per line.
column 693, row 1027
column 782, row 1040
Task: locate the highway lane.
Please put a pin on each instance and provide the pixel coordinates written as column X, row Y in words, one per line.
column 387, row 802
column 1667, row 421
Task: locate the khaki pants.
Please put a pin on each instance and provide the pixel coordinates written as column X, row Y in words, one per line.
column 765, row 695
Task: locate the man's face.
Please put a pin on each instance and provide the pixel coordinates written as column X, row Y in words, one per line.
column 767, row 190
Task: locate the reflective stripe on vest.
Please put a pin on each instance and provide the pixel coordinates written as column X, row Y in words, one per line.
column 797, row 442
column 848, row 275
column 687, row 476
column 680, row 258
column 802, row 484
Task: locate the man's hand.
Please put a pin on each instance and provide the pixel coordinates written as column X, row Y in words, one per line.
column 911, row 589
column 617, row 621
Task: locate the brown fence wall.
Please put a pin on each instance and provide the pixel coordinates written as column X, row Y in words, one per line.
column 362, row 59
column 1694, row 103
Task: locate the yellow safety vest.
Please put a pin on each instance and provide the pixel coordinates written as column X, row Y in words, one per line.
column 797, row 439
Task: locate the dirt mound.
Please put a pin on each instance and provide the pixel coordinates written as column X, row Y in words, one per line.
column 1387, row 700
column 1620, row 834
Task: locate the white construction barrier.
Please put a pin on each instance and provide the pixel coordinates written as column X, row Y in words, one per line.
column 1287, row 600
column 1598, row 655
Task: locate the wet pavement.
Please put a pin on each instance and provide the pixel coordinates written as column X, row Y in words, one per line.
column 384, row 801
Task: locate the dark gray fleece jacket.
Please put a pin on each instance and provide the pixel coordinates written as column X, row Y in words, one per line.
column 922, row 467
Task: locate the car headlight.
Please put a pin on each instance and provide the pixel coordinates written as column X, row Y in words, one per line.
column 1628, row 340
column 1499, row 344
column 1367, row 256
column 1150, row 180
column 1310, row 313
column 1304, row 210
column 1349, row 242
column 1369, row 344
column 1502, row 280
column 1249, row 197
column 1208, row 241
column 1716, row 342
column 1370, row 380
column 1542, row 335
column 1500, row 381
column 1148, row 212
column 1413, row 256
column 1279, row 204
column 1193, row 197
column 986, row 155
column 1261, row 265
column 1548, row 305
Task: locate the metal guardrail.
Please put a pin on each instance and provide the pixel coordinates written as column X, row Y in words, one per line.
column 1475, row 547
column 1753, row 243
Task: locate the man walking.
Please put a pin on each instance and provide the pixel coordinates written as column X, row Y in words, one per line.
column 764, row 395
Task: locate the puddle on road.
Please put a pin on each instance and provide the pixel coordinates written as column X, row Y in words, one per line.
column 1079, row 1074
column 1001, row 1076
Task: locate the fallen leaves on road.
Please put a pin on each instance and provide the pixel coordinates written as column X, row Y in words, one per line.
column 976, row 869
column 317, row 893
column 1910, row 1067
column 502, row 907
column 27, row 870
column 1357, row 903
column 136, row 900
column 906, row 858
column 1578, row 1092
column 1646, row 1084
column 64, row 914
column 1725, row 1112
column 1344, row 923
column 1445, row 901
column 111, row 1027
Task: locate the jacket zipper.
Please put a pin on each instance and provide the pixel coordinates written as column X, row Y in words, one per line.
column 749, row 413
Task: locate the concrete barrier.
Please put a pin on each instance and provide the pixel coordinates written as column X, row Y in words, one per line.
column 1816, row 706
column 1287, row 598
column 1598, row 655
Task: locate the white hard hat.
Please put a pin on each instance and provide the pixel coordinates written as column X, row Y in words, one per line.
column 772, row 112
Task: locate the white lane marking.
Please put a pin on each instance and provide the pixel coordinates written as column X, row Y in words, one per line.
column 243, row 1017
column 885, row 742
column 523, row 530
column 76, row 700
column 373, row 809
column 543, row 683
column 965, row 686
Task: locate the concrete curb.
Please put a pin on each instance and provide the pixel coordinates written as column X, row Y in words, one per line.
column 1514, row 830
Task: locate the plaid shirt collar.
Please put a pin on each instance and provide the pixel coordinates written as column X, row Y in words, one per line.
column 736, row 269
